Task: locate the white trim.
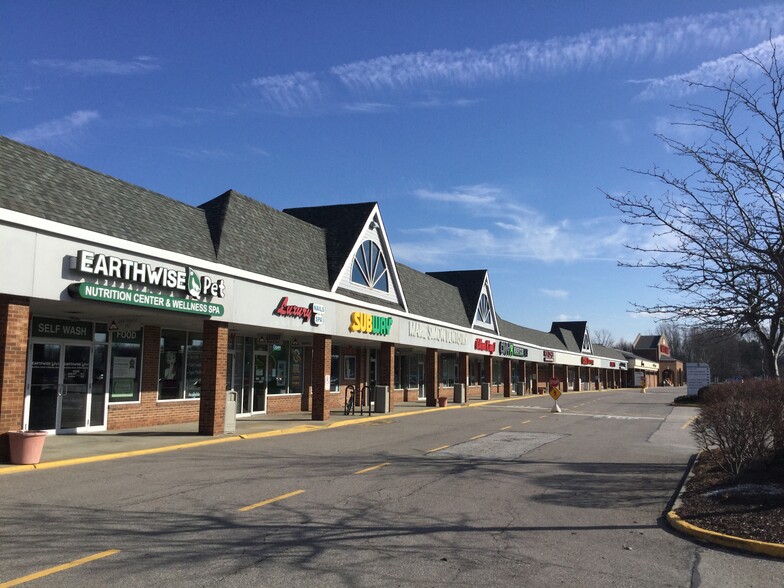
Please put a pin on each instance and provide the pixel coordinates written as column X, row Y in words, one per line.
column 91, row 237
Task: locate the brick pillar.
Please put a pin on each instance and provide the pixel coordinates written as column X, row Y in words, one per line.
column 462, row 369
column 565, row 379
column 506, row 366
column 386, row 371
column 524, row 375
column 431, row 377
column 488, row 360
column 212, row 404
column 322, row 366
column 14, row 325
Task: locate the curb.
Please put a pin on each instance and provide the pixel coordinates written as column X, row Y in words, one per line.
column 714, row 537
column 309, row 428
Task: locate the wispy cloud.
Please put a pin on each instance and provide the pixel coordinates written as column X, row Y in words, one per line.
column 478, row 194
column 558, row 55
column 369, row 107
column 291, row 93
column 100, row 67
column 434, row 71
column 711, row 72
column 503, row 228
column 61, row 129
column 212, row 154
column 557, row 294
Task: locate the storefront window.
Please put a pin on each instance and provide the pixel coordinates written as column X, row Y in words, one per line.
column 126, row 364
column 278, row 367
column 296, row 380
column 180, row 365
column 497, row 373
column 193, row 366
column 334, row 371
column 449, row 369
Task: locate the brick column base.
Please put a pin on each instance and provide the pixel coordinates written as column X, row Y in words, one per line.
column 322, row 367
column 14, row 324
column 212, row 404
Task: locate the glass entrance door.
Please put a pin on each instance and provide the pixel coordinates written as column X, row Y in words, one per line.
column 260, row 382
column 60, row 387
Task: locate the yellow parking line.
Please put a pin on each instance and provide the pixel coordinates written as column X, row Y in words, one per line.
column 371, row 468
column 505, row 428
column 271, row 500
column 437, row 449
column 60, row 568
column 526, row 422
column 478, row 437
column 544, row 416
column 687, row 423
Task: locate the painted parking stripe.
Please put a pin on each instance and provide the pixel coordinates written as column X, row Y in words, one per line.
column 507, row 427
column 371, row 468
column 271, row 500
column 687, row 423
column 437, row 449
column 60, row 568
column 478, row 436
column 526, row 422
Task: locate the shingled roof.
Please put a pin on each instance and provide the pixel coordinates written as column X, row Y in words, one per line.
column 40, row 184
column 250, row 235
column 572, row 333
column 342, row 223
column 469, row 283
column 532, row 336
column 432, row 298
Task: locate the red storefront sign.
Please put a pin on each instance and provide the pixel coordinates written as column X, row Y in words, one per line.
column 548, row 355
column 586, row 361
column 484, row 345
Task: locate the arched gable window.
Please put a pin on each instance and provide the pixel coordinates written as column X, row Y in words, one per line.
column 370, row 268
column 483, row 312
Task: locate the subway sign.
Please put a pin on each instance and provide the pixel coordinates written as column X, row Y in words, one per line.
column 361, row 322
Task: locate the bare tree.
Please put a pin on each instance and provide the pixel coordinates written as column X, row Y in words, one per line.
column 603, row 337
column 719, row 230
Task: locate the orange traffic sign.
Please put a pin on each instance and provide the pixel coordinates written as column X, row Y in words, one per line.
column 555, row 393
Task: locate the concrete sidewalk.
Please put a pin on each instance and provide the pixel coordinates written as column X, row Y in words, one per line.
column 63, row 450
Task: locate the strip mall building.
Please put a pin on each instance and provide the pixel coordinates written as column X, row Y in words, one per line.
column 123, row 308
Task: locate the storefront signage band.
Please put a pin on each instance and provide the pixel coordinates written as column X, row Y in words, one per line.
column 362, row 322
column 484, row 345
column 508, row 349
column 108, row 266
column 89, row 291
column 434, row 333
column 61, row 329
column 313, row 312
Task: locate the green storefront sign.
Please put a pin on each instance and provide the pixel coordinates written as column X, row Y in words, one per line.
column 90, row 291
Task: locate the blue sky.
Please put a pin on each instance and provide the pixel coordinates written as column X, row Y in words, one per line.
column 487, row 130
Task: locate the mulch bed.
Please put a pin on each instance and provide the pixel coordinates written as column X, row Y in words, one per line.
column 751, row 507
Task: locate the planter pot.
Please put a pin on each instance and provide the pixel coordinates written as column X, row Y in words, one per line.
column 442, row 401
column 26, row 446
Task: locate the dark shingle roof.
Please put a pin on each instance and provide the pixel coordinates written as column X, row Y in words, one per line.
column 40, row 184
column 250, row 235
column 532, row 336
column 647, row 342
column 343, row 224
column 577, row 329
column 469, row 283
column 608, row 352
column 432, row 298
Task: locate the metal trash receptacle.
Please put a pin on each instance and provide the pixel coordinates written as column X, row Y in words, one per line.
column 520, row 388
column 485, row 391
column 460, row 396
column 230, row 420
column 382, row 399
